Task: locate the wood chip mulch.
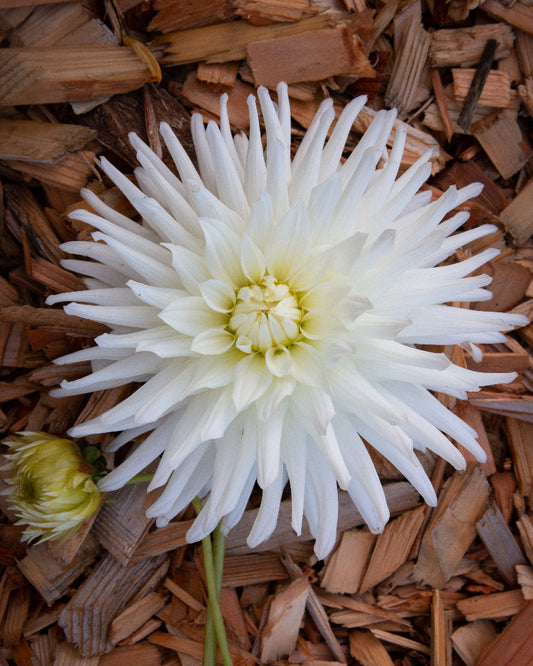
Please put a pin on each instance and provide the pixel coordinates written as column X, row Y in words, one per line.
column 451, row 585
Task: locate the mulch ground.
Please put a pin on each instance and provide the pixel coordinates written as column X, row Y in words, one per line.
column 451, row 585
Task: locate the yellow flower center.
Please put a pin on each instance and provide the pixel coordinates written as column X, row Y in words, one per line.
column 265, row 315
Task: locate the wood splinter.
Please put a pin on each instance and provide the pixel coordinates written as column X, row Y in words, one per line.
column 478, row 82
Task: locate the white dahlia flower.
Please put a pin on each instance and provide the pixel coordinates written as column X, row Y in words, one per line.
column 270, row 309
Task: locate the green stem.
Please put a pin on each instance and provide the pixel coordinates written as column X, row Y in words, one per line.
column 219, row 550
column 213, row 578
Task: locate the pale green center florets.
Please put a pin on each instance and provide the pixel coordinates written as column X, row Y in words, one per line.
column 265, row 315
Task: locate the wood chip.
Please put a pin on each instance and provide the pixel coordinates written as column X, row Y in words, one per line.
column 408, row 67
column 252, row 568
column 516, row 216
column 392, row 547
column 135, row 615
column 453, row 526
column 180, row 14
column 90, row 611
column 463, row 47
column 122, row 523
column 440, row 638
column 502, row 140
column 63, row 74
column 345, row 567
column 496, row 91
column 223, row 42
column 519, row 14
column 208, row 98
column 32, row 141
column 491, row 606
column 471, row 639
column 51, row 576
column 279, row 636
column 309, row 56
column 368, row 650
column 513, row 645
column 142, row 654
column 500, row 543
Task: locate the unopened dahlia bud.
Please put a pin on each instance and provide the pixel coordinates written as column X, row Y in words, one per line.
column 51, row 488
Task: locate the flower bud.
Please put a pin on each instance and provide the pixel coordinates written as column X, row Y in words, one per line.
column 51, row 489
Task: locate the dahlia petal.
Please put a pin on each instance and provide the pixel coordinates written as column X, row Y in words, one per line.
column 138, row 459
column 182, row 161
column 229, row 184
column 294, row 456
column 165, row 399
column 91, row 354
column 326, row 501
column 108, row 296
column 185, row 232
column 128, row 408
column 284, row 112
column 203, row 152
column 307, row 140
column 322, row 202
column 267, row 516
column 177, row 493
column 102, row 254
column 191, row 316
column 409, row 466
column 261, row 220
column 105, row 274
column 330, row 449
column 114, row 216
column 374, row 138
column 378, row 192
column 130, row 191
column 268, row 448
column 193, row 487
column 210, row 424
column 232, row 518
column 305, row 177
column 150, row 269
column 190, row 267
column 241, row 465
column 218, row 295
column 212, row 341
column 307, row 365
column 136, row 316
column 332, row 153
column 132, row 368
column 397, row 204
column 270, row 401
column 344, row 220
column 225, row 131
column 271, row 119
column 223, row 253
column 252, row 378
column 255, row 176
column 138, row 338
column 278, row 361
column 276, row 185
column 365, row 488
column 123, row 236
column 252, row 260
column 159, row 297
